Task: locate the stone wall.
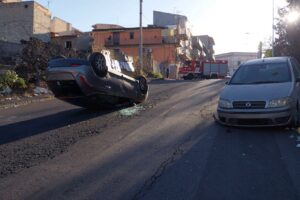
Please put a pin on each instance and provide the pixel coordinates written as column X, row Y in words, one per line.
column 60, row 26
column 22, row 20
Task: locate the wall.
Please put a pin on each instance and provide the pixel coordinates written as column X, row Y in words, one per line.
column 165, row 19
column 60, row 26
column 79, row 42
column 152, row 40
column 236, row 58
column 41, row 23
column 150, row 36
column 16, row 21
column 20, row 21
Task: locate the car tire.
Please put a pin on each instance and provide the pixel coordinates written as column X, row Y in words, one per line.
column 142, row 84
column 142, row 87
column 98, row 63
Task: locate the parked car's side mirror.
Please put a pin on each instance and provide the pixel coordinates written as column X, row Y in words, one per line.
column 227, row 82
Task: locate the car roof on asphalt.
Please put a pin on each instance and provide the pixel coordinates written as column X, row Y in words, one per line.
column 268, row 60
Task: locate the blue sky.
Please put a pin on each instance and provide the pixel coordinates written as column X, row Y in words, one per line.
column 236, row 25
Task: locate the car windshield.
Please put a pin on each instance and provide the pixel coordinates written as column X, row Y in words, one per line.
column 262, row 73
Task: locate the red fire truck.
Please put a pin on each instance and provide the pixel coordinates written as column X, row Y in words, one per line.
column 204, row 69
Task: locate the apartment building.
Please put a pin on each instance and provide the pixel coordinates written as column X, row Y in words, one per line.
column 158, row 43
column 236, row 58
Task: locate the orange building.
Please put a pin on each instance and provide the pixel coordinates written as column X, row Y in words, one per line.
column 159, row 42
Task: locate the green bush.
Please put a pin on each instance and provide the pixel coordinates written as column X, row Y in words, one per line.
column 154, row 75
column 12, row 80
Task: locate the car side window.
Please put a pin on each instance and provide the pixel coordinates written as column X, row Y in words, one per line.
column 296, row 67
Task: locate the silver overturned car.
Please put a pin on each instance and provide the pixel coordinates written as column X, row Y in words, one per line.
column 96, row 82
column 262, row 92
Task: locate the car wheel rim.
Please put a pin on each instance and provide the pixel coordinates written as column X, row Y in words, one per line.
column 100, row 62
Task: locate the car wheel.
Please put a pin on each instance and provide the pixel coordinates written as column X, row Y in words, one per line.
column 142, row 84
column 98, row 62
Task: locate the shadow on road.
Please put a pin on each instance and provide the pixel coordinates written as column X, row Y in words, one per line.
column 28, row 128
column 160, row 82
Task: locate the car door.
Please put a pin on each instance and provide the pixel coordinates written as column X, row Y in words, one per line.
column 296, row 71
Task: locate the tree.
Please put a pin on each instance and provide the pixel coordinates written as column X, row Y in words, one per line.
column 35, row 57
column 268, row 53
column 260, row 49
column 265, row 48
column 288, row 41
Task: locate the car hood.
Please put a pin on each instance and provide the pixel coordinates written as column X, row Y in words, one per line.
column 257, row 92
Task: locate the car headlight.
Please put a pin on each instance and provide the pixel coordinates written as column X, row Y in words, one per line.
column 277, row 103
column 223, row 103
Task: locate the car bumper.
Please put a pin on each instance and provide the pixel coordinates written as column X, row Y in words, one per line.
column 254, row 118
column 70, row 83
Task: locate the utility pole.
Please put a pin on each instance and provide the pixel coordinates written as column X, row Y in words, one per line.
column 273, row 54
column 141, row 36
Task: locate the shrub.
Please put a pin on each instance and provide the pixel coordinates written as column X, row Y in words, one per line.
column 12, row 80
column 154, row 75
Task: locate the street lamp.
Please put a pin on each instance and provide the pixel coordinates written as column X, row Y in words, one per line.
column 273, row 54
column 141, row 36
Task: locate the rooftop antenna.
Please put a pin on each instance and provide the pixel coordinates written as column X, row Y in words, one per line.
column 48, row 4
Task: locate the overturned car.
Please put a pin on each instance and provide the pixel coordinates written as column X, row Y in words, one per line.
column 97, row 82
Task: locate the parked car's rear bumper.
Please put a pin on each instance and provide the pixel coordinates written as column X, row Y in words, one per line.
column 254, row 119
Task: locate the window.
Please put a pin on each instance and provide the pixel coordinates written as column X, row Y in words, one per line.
column 68, row 45
column 117, row 51
column 131, row 35
column 262, row 73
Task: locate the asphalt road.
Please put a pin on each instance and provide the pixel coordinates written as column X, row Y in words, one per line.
column 172, row 149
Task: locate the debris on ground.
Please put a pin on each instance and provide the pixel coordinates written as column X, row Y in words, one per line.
column 6, row 91
column 127, row 112
column 40, row 90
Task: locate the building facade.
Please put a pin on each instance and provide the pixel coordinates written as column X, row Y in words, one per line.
column 60, row 27
column 22, row 20
column 64, row 34
column 236, row 58
column 158, row 43
column 208, row 46
column 168, row 42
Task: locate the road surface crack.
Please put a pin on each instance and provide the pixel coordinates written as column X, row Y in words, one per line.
column 158, row 173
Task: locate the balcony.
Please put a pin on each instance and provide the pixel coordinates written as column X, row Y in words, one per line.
column 184, row 53
column 111, row 43
column 183, row 33
column 196, row 43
